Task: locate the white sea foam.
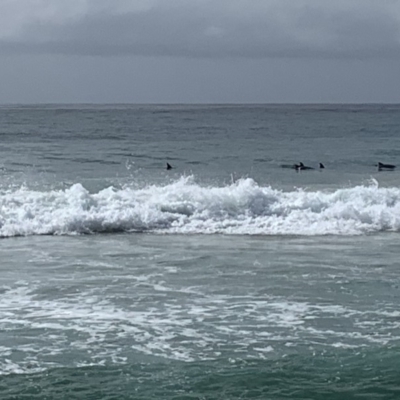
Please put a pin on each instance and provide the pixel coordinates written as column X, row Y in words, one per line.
column 185, row 207
column 91, row 328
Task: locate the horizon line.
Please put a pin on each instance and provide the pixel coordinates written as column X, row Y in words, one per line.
column 5, row 104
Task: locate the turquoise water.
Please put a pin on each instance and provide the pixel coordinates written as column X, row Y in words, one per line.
column 228, row 277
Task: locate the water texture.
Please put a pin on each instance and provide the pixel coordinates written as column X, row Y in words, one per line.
column 231, row 276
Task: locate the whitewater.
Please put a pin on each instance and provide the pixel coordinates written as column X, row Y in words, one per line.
column 184, row 207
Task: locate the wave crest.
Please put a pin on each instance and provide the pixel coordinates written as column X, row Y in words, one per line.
column 185, row 207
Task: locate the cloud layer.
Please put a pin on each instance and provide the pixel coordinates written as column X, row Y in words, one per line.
column 203, row 28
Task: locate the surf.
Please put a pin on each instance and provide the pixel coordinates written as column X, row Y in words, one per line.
column 186, row 207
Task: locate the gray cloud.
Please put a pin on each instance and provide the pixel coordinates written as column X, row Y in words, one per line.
column 203, row 28
column 207, row 51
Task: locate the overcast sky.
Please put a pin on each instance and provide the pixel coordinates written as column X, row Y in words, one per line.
column 178, row 51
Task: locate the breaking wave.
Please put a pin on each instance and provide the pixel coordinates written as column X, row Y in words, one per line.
column 184, row 207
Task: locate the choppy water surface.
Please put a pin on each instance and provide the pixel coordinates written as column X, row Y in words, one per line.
column 228, row 277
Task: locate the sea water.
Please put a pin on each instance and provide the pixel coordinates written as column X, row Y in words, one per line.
column 231, row 276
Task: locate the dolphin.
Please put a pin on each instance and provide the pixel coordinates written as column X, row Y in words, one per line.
column 301, row 167
column 385, row 167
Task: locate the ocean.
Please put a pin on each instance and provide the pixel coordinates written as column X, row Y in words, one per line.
column 230, row 276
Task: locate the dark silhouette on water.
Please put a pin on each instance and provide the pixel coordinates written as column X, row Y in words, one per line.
column 385, row 167
column 169, row 166
column 301, row 167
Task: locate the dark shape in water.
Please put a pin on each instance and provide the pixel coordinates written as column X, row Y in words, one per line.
column 385, row 167
column 301, row 167
column 169, row 166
